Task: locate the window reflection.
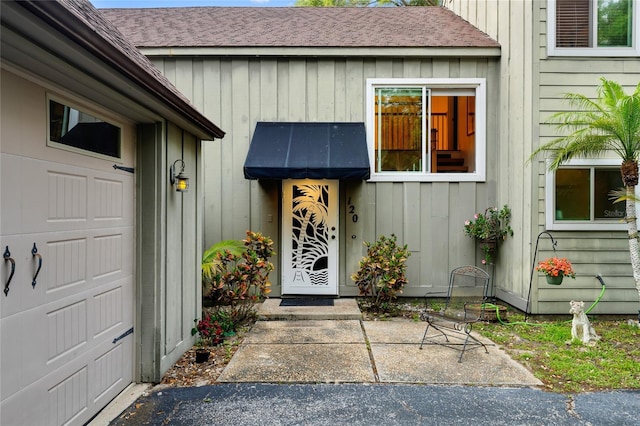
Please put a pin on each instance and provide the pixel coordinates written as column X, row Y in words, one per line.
column 79, row 129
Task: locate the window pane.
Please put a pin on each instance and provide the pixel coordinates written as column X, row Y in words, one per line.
column 614, row 23
column 572, row 23
column 398, row 129
column 576, row 23
column 79, row 129
column 605, row 181
column 573, row 194
column 453, row 133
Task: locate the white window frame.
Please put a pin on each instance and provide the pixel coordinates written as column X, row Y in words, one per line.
column 477, row 84
column 552, row 50
column 550, row 200
column 94, row 113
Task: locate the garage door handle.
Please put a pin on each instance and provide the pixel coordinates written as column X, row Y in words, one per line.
column 7, row 256
column 34, row 252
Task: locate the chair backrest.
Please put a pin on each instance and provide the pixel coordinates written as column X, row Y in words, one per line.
column 468, row 286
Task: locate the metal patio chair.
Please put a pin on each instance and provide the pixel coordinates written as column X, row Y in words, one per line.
column 464, row 306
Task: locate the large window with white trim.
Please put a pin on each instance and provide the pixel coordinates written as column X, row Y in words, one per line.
column 578, row 196
column 593, row 28
column 426, row 129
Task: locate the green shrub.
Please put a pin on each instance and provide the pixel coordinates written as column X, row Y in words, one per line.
column 241, row 280
column 381, row 276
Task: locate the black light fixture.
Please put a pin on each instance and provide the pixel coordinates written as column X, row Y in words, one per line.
column 181, row 181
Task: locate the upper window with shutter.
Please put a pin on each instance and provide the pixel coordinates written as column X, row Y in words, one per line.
column 593, row 28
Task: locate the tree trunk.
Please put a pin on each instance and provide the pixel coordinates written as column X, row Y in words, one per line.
column 634, row 246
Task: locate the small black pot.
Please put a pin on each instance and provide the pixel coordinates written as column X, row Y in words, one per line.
column 202, row 355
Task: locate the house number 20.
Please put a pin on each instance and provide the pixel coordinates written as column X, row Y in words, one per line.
column 352, row 211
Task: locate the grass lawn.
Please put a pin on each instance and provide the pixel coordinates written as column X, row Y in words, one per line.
column 570, row 367
column 543, row 346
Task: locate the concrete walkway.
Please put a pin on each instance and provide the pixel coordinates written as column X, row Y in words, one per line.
column 351, row 351
column 320, row 371
column 310, row 349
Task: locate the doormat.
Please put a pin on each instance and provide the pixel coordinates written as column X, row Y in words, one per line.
column 306, row 302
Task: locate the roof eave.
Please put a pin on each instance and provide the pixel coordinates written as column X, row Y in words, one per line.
column 286, row 51
column 56, row 15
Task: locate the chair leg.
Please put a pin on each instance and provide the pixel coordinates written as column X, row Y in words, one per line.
column 429, row 324
column 477, row 343
column 424, row 336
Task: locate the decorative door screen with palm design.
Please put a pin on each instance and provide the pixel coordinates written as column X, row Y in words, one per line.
column 310, row 216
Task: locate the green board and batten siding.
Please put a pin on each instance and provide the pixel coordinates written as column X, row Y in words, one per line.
column 533, row 85
column 237, row 92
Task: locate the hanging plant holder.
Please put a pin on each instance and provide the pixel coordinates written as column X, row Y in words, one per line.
column 490, row 249
column 554, row 280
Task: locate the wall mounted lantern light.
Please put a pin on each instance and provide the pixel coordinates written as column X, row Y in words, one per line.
column 181, row 181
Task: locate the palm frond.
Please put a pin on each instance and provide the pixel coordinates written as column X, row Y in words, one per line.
column 595, row 126
column 620, row 195
column 210, row 262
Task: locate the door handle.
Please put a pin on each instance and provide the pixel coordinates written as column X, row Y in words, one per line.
column 7, row 256
column 34, row 252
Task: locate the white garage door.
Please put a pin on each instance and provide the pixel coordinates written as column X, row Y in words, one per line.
column 66, row 338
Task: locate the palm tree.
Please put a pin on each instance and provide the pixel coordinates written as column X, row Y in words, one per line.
column 610, row 123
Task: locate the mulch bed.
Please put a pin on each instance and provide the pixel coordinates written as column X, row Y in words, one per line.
column 186, row 372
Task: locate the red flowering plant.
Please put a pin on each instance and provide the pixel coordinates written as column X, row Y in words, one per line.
column 210, row 331
column 556, row 266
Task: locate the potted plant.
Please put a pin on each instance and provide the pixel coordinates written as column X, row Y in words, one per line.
column 555, row 269
column 488, row 229
column 209, row 333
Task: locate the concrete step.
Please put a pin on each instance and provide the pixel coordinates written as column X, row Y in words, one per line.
column 342, row 309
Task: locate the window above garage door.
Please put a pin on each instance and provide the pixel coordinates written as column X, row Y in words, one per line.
column 78, row 130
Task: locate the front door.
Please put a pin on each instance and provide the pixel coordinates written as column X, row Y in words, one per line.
column 310, row 237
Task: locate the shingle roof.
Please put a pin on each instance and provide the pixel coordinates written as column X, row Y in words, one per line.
column 80, row 22
column 297, row 27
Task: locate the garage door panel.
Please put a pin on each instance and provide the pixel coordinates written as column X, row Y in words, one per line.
column 74, row 326
column 11, row 334
column 64, row 263
column 76, row 310
column 54, row 400
column 76, row 261
column 59, row 197
column 111, row 370
column 112, row 255
column 111, row 313
column 11, row 187
column 61, row 260
column 71, row 392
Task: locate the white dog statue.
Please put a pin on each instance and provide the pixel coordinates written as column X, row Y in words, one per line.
column 581, row 328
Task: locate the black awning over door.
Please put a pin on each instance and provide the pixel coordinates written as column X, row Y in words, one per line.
column 307, row 150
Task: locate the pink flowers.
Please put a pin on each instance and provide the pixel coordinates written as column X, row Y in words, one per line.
column 488, row 229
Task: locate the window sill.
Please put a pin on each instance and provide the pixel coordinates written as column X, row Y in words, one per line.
column 590, row 226
column 591, row 52
column 427, row 177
